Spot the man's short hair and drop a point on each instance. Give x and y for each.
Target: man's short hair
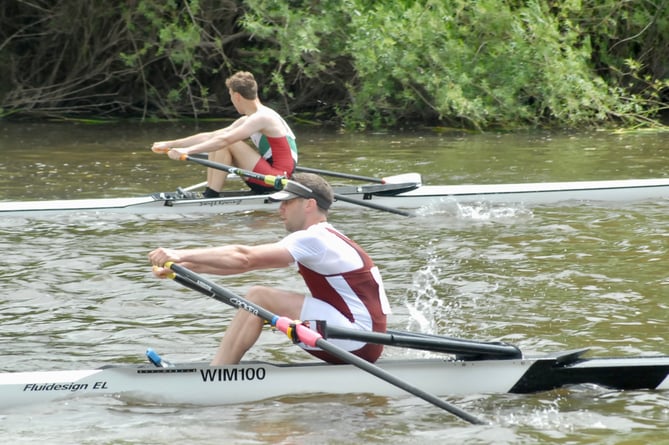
(244, 83)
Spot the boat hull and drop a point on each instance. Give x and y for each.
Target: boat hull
(542, 193)
(422, 196)
(200, 384)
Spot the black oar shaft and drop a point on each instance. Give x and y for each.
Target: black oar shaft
(338, 175)
(308, 336)
(196, 282)
(393, 380)
(317, 171)
(424, 342)
(278, 182)
(371, 205)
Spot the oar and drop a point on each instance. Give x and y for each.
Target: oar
(406, 177)
(424, 342)
(339, 175)
(299, 332)
(194, 186)
(278, 183)
(372, 205)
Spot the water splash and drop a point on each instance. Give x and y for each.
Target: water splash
(476, 211)
(423, 302)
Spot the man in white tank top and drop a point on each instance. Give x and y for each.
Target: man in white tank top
(275, 152)
(345, 287)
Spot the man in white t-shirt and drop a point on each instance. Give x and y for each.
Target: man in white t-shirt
(345, 286)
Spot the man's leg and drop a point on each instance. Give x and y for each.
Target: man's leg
(240, 154)
(216, 178)
(245, 328)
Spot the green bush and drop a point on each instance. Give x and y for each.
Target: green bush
(480, 64)
(363, 64)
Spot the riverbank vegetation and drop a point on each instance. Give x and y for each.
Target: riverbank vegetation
(355, 63)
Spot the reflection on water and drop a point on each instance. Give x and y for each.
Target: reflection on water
(77, 291)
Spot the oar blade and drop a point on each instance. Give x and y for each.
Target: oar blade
(413, 178)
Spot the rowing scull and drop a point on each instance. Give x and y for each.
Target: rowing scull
(388, 195)
(200, 384)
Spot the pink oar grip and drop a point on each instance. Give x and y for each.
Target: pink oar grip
(304, 334)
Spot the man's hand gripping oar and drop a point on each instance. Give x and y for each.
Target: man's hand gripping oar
(299, 332)
(278, 182)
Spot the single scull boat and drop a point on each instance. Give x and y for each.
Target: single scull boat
(200, 384)
(476, 367)
(405, 191)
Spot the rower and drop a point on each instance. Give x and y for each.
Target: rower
(345, 285)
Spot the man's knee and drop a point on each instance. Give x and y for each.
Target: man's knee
(258, 294)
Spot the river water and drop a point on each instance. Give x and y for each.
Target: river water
(77, 292)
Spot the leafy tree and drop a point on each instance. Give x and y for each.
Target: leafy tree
(365, 64)
(468, 63)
